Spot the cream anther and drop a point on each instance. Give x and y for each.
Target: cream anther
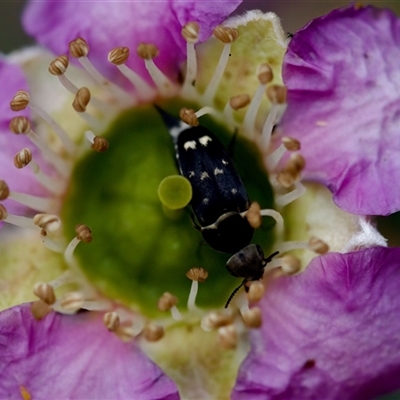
(45, 293)
(20, 125)
(72, 301)
(20, 100)
(100, 144)
(256, 291)
(118, 55)
(276, 94)
(215, 320)
(290, 264)
(226, 34)
(40, 309)
(197, 274)
(4, 190)
(167, 301)
(253, 215)
(188, 116)
(318, 245)
(291, 144)
(265, 74)
(111, 320)
(23, 158)
(48, 222)
(81, 100)
(83, 233)
(147, 51)
(153, 332)
(239, 101)
(78, 48)
(252, 317)
(59, 65)
(3, 213)
(190, 32)
(227, 337)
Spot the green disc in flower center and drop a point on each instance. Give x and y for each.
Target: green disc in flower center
(139, 251)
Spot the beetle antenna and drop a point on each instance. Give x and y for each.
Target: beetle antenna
(234, 292)
(269, 258)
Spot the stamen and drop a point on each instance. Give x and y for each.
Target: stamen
(153, 332)
(285, 199)
(288, 144)
(81, 100)
(24, 158)
(196, 275)
(265, 76)
(314, 244)
(99, 144)
(45, 293)
(72, 301)
(118, 56)
(290, 264)
(190, 32)
(228, 36)
(235, 103)
(256, 291)
(17, 220)
(207, 110)
(253, 215)
(168, 302)
(22, 99)
(227, 337)
(65, 277)
(37, 203)
(40, 309)
(84, 234)
(111, 321)
(50, 223)
(268, 213)
(148, 52)
(21, 125)
(188, 115)
(79, 49)
(215, 320)
(252, 317)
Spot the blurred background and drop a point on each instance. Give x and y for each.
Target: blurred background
(293, 13)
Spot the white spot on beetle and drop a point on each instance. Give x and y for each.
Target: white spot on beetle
(204, 175)
(225, 162)
(233, 191)
(218, 171)
(191, 174)
(204, 140)
(206, 200)
(190, 144)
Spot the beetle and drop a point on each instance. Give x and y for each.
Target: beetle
(248, 263)
(219, 199)
(219, 196)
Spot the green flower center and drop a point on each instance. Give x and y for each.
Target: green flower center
(139, 250)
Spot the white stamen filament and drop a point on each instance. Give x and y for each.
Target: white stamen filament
(163, 84)
(228, 116)
(269, 126)
(69, 145)
(206, 110)
(37, 203)
(175, 313)
(142, 87)
(285, 199)
(191, 304)
(191, 70)
(20, 221)
(65, 277)
(91, 120)
(96, 305)
(294, 245)
(53, 185)
(69, 251)
(53, 245)
(276, 156)
(116, 90)
(212, 87)
(62, 167)
(251, 114)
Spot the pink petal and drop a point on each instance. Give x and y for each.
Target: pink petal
(73, 357)
(343, 79)
(105, 25)
(329, 333)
